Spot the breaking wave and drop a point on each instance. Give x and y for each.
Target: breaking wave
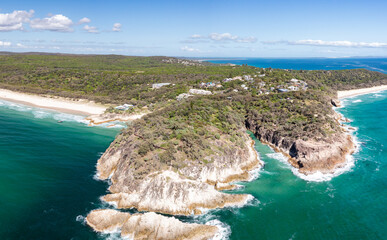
(41, 113)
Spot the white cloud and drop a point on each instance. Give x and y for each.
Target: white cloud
(14, 21)
(90, 29)
(310, 42)
(221, 37)
(117, 27)
(19, 45)
(196, 36)
(5, 44)
(57, 23)
(189, 49)
(339, 43)
(84, 20)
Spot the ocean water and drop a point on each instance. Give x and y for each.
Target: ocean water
(46, 173)
(349, 206)
(374, 64)
(47, 180)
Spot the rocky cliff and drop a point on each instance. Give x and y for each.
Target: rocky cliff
(312, 155)
(147, 226)
(152, 186)
(190, 189)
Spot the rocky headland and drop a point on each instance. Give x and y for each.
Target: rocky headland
(153, 187)
(324, 155)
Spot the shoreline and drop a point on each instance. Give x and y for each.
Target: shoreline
(102, 220)
(77, 107)
(360, 91)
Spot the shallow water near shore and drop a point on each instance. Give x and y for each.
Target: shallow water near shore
(47, 185)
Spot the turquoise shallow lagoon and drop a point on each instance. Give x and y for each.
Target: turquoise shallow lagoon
(47, 185)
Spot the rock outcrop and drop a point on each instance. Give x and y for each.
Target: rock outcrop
(185, 191)
(335, 102)
(112, 117)
(191, 189)
(147, 226)
(310, 156)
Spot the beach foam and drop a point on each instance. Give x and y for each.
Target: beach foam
(224, 231)
(41, 113)
(79, 106)
(81, 219)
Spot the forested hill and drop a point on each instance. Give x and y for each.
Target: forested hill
(118, 79)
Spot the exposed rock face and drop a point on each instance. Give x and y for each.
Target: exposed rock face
(335, 102)
(147, 226)
(186, 191)
(168, 192)
(112, 117)
(310, 156)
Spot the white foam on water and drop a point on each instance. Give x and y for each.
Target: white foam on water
(113, 235)
(41, 113)
(255, 173)
(357, 101)
(15, 106)
(224, 231)
(81, 219)
(280, 157)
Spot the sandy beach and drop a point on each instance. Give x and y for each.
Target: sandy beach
(80, 107)
(355, 92)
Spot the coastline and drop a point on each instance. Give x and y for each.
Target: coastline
(77, 107)
(360, 91)
(199, 197)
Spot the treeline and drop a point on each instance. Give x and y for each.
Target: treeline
(107, 79)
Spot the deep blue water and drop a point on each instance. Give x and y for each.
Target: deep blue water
(375, 64)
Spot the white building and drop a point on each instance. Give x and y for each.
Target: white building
(159, 85)
(183, 96)
(124, 107)
(200, 92)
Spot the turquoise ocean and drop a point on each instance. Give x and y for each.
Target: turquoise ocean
(47, 183)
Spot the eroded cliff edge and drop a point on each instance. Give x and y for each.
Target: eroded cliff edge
(175, 167)
(315, 144)
(147, 226)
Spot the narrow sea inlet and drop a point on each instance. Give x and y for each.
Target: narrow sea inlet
(47, 185)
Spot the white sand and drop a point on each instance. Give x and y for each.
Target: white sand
(81, 106)
(355, 92)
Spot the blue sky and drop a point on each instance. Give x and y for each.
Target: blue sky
(198, 28)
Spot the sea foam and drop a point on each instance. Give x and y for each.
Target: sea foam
(223, 232)
(41, 113)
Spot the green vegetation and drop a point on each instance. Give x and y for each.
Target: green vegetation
(199, 127)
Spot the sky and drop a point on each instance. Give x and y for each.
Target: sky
(211, 28)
